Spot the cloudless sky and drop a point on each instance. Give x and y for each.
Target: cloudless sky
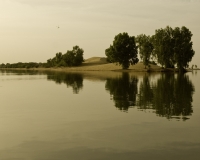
(29, 28)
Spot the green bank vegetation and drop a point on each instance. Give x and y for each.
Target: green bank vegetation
(168, 47)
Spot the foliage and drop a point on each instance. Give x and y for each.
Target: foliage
(183, 51)
(123, 51)
(173, 47)
(70, 58)
(145, 48)
(22, 65)
(163, 46)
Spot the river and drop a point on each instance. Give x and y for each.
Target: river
(99, 115)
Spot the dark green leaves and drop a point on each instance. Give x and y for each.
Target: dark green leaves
(173, 47)
(145, 48)
(123, 51)
(70, 58)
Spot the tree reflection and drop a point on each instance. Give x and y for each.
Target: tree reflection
(123, 91)
(73, 80)
(19, 72)
(170, 96)
(145, 95)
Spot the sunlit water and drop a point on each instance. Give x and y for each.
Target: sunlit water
(99, 115)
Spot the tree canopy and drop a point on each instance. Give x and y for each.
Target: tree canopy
(145, 48)
(183, 51)
(169, 47)
(72, 57)
(173, 47)
(123, 50)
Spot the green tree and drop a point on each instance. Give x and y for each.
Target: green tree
(74, 57)
(49, 63)
(78, 53)
(173, 47)
(163, 46)
(69, 58)
(183, 51)
(145, 48)
(58, 57)
(123, 51)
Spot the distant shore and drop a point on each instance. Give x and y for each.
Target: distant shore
(101, 64)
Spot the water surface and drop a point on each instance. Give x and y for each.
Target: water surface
(99, 115)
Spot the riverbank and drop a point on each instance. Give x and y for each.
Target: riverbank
(101, 64)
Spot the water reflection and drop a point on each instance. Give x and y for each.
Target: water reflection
(123, 90)
(170, 95)
(145, 96)
(173, 96)
(20, 72)
(73, 80)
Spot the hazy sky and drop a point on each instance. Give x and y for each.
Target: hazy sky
(29, 32)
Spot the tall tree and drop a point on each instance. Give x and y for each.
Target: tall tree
(123, 51)
(183, 51)
(145, 48)
(163, 46)
(58, 57)
(173, 47)
(78, 54)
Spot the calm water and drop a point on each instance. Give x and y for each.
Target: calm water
(99, 115)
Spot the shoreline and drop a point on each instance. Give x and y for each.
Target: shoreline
(101, 64)
(80, 69)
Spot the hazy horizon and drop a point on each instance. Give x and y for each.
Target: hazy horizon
(29, 28)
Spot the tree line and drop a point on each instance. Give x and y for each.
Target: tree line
(168, 47)
(71, 58)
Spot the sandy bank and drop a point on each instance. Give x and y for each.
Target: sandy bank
(100, 64)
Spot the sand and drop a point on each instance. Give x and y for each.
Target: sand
(101, 64)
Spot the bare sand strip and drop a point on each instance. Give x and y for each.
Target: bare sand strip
(101, 64)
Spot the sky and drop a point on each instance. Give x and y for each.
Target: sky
(29, 28)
